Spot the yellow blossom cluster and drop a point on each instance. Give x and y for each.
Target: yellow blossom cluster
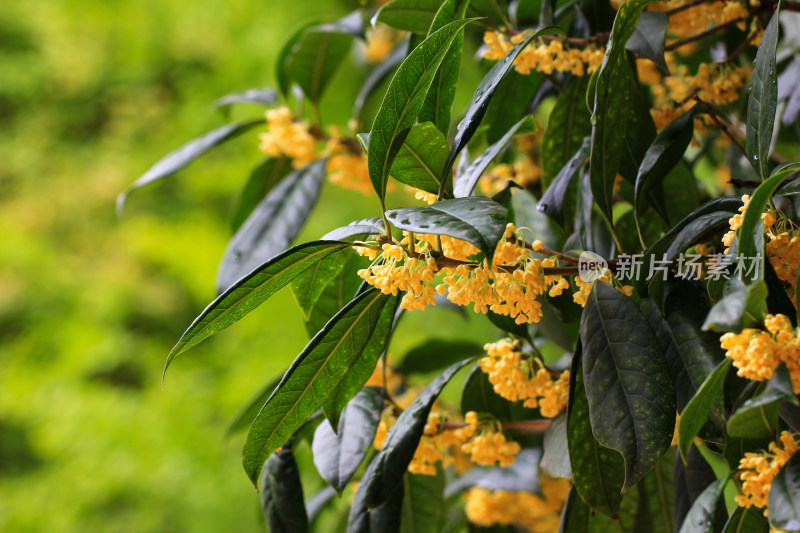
(516, 376)
(439, 444)
(735, 222)
(585, 287)
(509, 286)
(757, 470)
(545, 57)
(783, 251)
(698, 18)
(288, 137)
(757, 353)
(380, 42)
(491, 447)
(533, 513)
(524, 171)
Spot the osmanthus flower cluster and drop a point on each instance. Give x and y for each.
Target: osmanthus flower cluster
(579, 150)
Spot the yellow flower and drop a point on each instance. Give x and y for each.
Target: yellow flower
(287, 137)
(757, 470)
(545, 57)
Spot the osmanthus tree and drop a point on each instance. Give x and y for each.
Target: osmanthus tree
(579, 203)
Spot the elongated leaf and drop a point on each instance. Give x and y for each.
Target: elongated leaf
(483, 96)
(478, 220)
(758, 416)
(478, 395)
(510, 103)
(264, 176)
(783, 504)
(282, 495)
(746, 234)
(613, 100)
(557, 202)
(647, 40)
(763, 99)
(387, 469)
(742, 307)
(281, 73)
(702, 516)
(309, 285)
(423, 502)
(360, 369)
(440, 97)
(318, 501)
(577, 517)
(403, 101)
(567, 127)
(378, 74)
(244, 417)
(409, 15)
(384, 518)
(699, 407)
(522, 476)
(747, 520)
(654, 505)
(437, 354)
(597, 472)
(273, 224)
(265, 96)
(696, 231)
(357, 228)
(337, 455)
(420, 161)
(628, 384)
(689, 481)
(555, 460)
(252, 290)
(466, 182)
(177, 159)
(312, 377)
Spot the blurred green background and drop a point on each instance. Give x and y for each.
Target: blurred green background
(91, 93)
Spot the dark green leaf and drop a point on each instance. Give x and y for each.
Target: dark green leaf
(336, 294)
(653, 498)
(478, 395)
(282, 493)
(308, 286)
(567, 127)
(387, 469)
(265, 96)
(628, 384)
(778, 301)
(743, 307)
(758, 416)
(751, 221)
(177, 159)
(273, 224)
(577, 517)
(478, 220)
(699, 407)
(763, 99)
(420, 161)
(281, 74)
(647, 40)
(783, 504)
(337, 455)
(384, 518)
(318, 501)
(403, 101)
(747, 520)
(378, 74)
(512, 98)
(466, 181)
(423, 502)
(439, 100)
(436, 354)
(555, 460)
(689, 481)
(696, 231)
(483, 96)
(312, 377)
(409, 15)
(613, 102)
(557, 202)
(244, 417)
(598, 472)
(250, 291)
(702, 516)
(264, 176)
(791, 189)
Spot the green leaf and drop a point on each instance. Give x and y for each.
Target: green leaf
(273, 224)
(478, 220)
(309, 285)
(647, 40)
(528, 215)
(743, 307)
(360, 369)
(613, 100)
(336, 294)
(763, 99)
(436, 354)
(409, 15)
(567, 127)
(282, 495)
(577, 517)
(689, 481)
(746, 235)
(466, 181)
(696, 231)
(403, 101)
(247, 412)
(442, 93)
(264, 176)
(385, 472)
(423, 502)
(702, 515)
(483, 96)
(697, 410)
(597, 472)
(266, 96)
(312, 377)
(252, 290)
(281, 73)
(478, 395)
(783, 504)
(357, 228)
(338, 454)
(316, 503)
(558, 201)
(555, 460)
(510, 103)
(758, 416)
(384, 518)
(654, 498)
(177, 159)
(747, 520)
(421, 158)
(628, 384)
(378, 74)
